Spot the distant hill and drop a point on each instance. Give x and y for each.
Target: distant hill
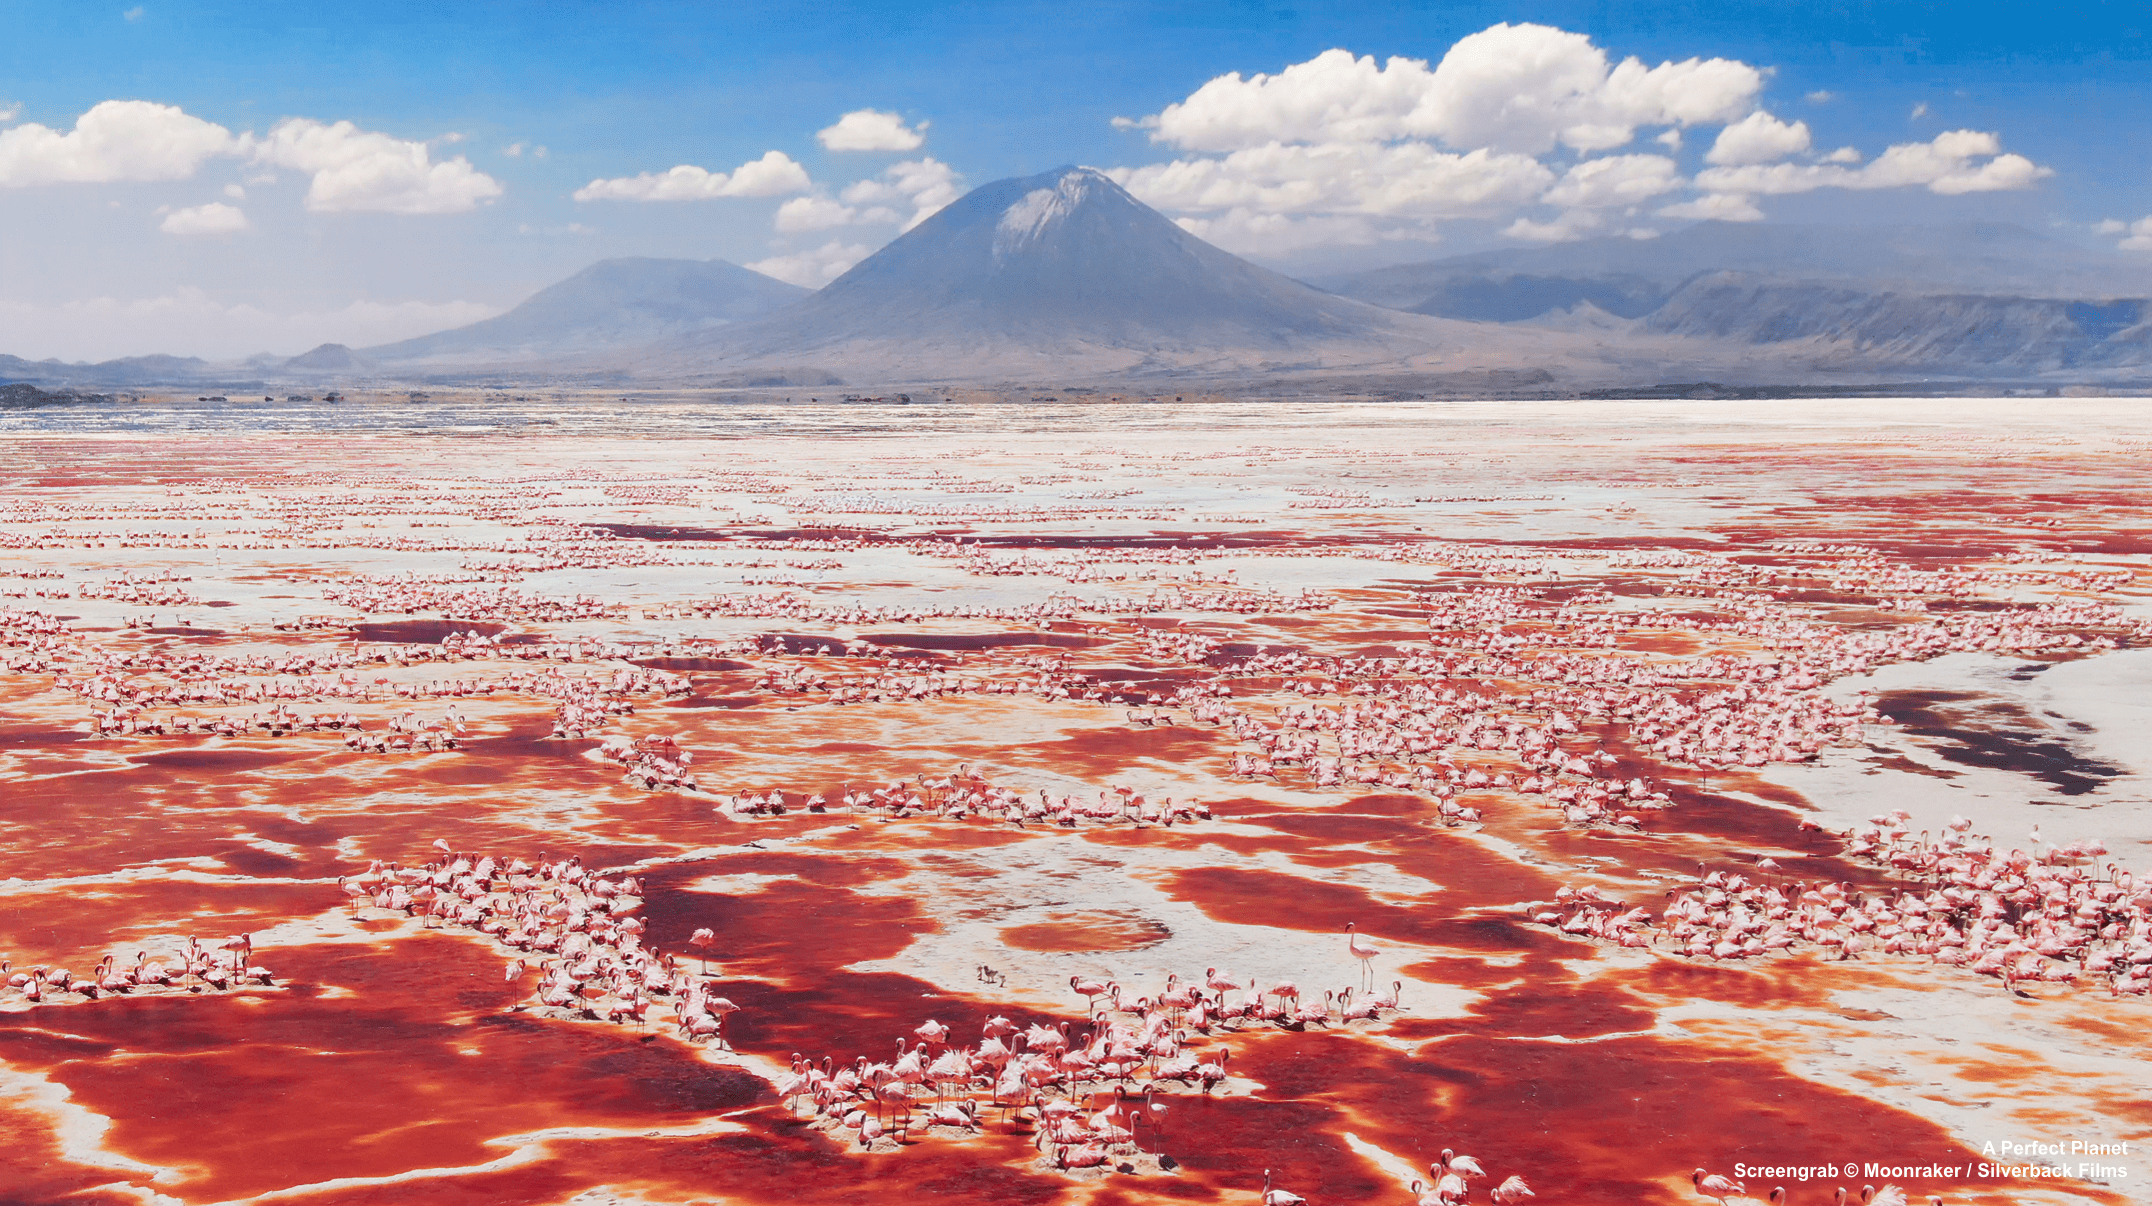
(1989, 333)
(128, 370)
(1060, 274)
(1632, 277)
(611, 304)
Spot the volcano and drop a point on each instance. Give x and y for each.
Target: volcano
(1062, 273)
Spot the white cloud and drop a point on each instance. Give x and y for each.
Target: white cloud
(1573, 224)
(10, 112)
(116, 140)
(1617, 180)
(1408, 180)
(1721, 207)
(363, 171)
(1820, 97)
(135, 14)
(189, 322)
(922, 186)
(2140, 233)
(815, 212)
(773, 175)
(1758, 138)
(235, 192)
(1945, 164)
(1920, 110)
(1363, 148)
(872, 130)
(513, 150)
(814, 269)
(1241, 229)
(2109, 226)
(1520, 88)
(213, 218)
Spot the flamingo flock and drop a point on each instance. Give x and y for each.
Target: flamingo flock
(594, 963)
(229, 965)
(2052, 916)
(962, 795)
(1081, 1092)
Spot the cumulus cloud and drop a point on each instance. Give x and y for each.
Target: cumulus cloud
(814, 269)
(773, 175)
(116, 140)
(1617, 180)
(1243, 229)
(213, 218)
(2139, 233)
(1715, 207)
(1521, 88)
(1758, 138)
(358, 170)
(191, 322)
(1518, 123)
(1945, 164)
(815, 212)
(908, 193)
(1573, 224)
(872, 130)
(353, 169)
(1400, 180)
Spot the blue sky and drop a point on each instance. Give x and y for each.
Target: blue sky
(233, 212)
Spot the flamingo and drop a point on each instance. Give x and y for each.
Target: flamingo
(1461, 1165)
(701, 940)
(1091, 990)
(1362, 950)
(1712, 1185)
(1278, 1197)
(1515, 1190)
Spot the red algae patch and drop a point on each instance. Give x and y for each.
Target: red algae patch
(1081, 931)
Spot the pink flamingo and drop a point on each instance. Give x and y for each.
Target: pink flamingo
(1712, 1185)
(701, 940)
(1515, 1190)
(1362, 950)
(1279, 1197)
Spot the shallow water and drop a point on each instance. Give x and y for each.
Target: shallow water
(392, 1062)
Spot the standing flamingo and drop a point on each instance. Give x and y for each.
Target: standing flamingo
(1362, 950)
(701, 940)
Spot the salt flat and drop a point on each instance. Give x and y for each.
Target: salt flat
(1117, 693)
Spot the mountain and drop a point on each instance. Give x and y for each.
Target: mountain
(329, 357)
(1630, 278)
(1992, 333)
(611, 304)
(128, 370)
(1062, 275)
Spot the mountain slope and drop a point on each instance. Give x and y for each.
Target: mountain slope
(612, 303)
(1062, 273)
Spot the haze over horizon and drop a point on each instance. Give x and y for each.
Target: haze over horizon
(202, 179)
